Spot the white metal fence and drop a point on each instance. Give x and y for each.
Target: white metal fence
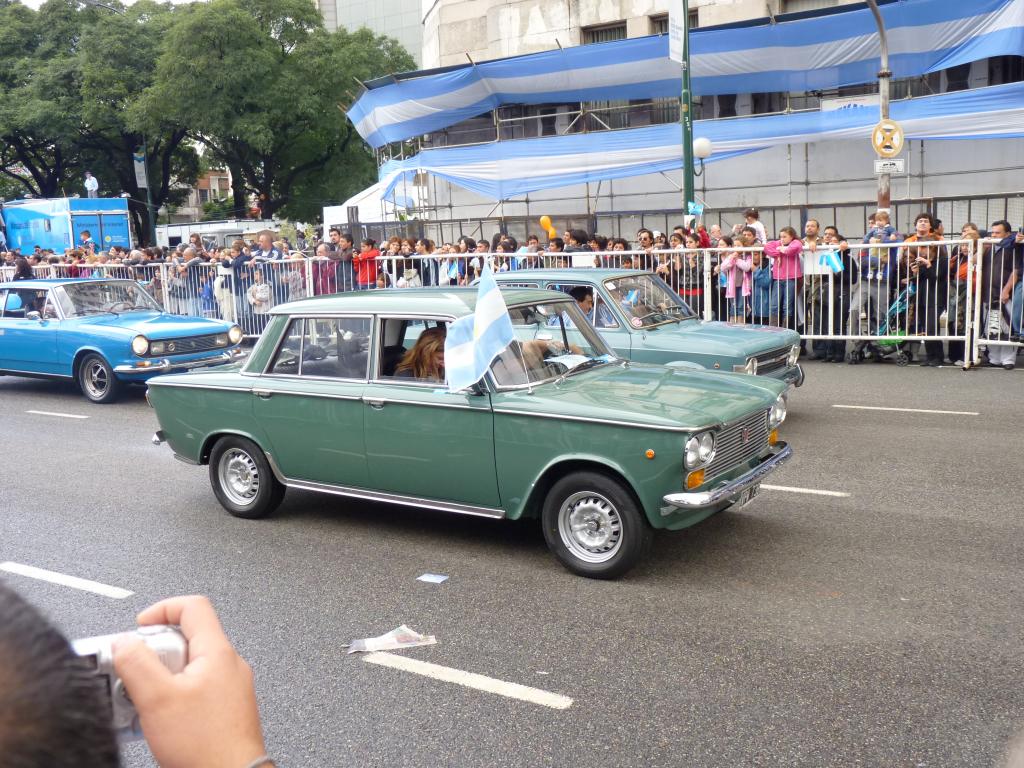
(870, 301)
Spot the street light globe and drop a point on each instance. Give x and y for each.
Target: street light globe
(702, 148)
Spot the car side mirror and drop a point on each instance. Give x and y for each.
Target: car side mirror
(33, 316)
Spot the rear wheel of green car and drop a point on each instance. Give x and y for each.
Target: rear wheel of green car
(242, 479)
(594, 525)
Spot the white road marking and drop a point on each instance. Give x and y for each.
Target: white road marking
(55, 413)
(470, 680)
(907, 410)
(64, 580)
(811, 491)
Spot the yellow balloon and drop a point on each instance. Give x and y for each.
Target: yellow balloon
(552, 233)
(545, 222)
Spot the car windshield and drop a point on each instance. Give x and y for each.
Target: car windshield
(552, 340)
(647, 300)
(113, 296)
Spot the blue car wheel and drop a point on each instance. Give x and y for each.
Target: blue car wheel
(96, 379)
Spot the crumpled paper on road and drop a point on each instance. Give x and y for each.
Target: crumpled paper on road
(402, 637)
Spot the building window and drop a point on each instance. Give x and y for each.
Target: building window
(204, 195)
(659, 24)
(727, 105)
(604, 33)
(1005, 69)
(957, 78)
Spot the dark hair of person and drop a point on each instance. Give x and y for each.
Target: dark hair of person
(370, 242)
(925, 215)
(346, 236)
(470, 243)
(22, 269)
(621, 241)
(52, 708)
(428, 245)
(725, 240)
(580, 292)
(601, 241)
(579, 236)
(1002, 223)
(557, 242)
(751, 230)
(332, 230)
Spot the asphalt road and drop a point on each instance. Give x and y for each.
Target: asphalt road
(881, 628)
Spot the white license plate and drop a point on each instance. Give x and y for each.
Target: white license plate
(747, 495)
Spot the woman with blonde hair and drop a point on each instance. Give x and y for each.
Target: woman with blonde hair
(425, 361)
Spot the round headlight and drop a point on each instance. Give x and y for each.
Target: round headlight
(777, 414)
(751, 366)
(699, 450)
(157, 348)
(235, 334)
(140, 345)
(794, 355)
(707, 448)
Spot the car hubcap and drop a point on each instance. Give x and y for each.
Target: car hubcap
(590, 527)
(96, 380)
(239, 476)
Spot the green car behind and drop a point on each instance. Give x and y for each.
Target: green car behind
(644, 320)
(604, 451)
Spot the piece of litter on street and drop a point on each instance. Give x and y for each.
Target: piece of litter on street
(432, 578)
(402, 637)
(542, 673)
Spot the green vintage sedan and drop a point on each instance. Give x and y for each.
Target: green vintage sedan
(644, 320)
(343, 394)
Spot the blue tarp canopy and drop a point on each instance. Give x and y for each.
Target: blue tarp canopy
(802, 55)
(502, 170)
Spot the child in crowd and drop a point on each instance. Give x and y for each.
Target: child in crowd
(787, 270)
(735, 267)
(764, 299)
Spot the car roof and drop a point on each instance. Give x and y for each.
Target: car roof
(50, 282)
(589, 274)
(428, 301)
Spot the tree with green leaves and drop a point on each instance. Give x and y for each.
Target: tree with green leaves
(272, 82)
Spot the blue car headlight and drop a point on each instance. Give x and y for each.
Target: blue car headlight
(140, 345)
(235, 334)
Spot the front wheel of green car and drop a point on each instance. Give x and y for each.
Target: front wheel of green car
(242, 479)
(594, 525)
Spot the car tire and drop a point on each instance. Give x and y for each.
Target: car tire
(242, 479)
(97, 381)
(594, 525)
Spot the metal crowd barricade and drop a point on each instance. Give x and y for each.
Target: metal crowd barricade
(871, 302)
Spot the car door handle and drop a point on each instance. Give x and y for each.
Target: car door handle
(263, 394)
(374, 402)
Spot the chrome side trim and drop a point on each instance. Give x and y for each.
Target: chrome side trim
(452, 406)
(697, 500)
(34, 374)
(322, 395)
(614, 422)
(388, 498)
(197, 386)
(183, 460)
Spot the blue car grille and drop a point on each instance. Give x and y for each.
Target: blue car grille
(738, 442)
(772, 360)
(190, 344)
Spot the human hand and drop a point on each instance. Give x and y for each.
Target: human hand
(207, 715)
(1005, 295)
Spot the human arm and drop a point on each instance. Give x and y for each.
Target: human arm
(205, 716)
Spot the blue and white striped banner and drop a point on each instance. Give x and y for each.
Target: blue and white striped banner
(803, 55)
(475, 340)
(505, 169)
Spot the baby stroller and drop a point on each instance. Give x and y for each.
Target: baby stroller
(897, 347)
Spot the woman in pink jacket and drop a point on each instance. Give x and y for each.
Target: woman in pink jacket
(787, 269)
(736, 268)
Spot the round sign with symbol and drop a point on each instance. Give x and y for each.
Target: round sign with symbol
(887, 138)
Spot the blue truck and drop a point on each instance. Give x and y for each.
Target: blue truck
(57, 223)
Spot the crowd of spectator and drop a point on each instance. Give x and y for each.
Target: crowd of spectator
(817, 282)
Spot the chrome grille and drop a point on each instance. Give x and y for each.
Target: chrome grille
(189, 344)
(772, 360)
(731, 448)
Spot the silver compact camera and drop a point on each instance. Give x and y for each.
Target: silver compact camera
(168, 643)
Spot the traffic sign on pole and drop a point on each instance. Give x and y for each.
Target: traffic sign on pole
(887, 138)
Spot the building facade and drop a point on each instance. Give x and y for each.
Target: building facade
(810, 177)
(400, 19)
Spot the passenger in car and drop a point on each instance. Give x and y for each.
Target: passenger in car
(425, 361)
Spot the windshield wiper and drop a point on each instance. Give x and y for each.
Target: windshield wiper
(97, 311)
(586, 365)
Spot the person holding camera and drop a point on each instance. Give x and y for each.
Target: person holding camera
(55, 711)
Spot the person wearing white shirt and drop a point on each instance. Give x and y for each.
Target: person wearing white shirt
(92, 186)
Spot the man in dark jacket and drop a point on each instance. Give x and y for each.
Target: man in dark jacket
(1001, 268)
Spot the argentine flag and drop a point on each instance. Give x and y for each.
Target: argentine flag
(474, 341)
(832, 260)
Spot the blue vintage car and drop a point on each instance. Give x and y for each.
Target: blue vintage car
(103, 334)
(645, 321)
